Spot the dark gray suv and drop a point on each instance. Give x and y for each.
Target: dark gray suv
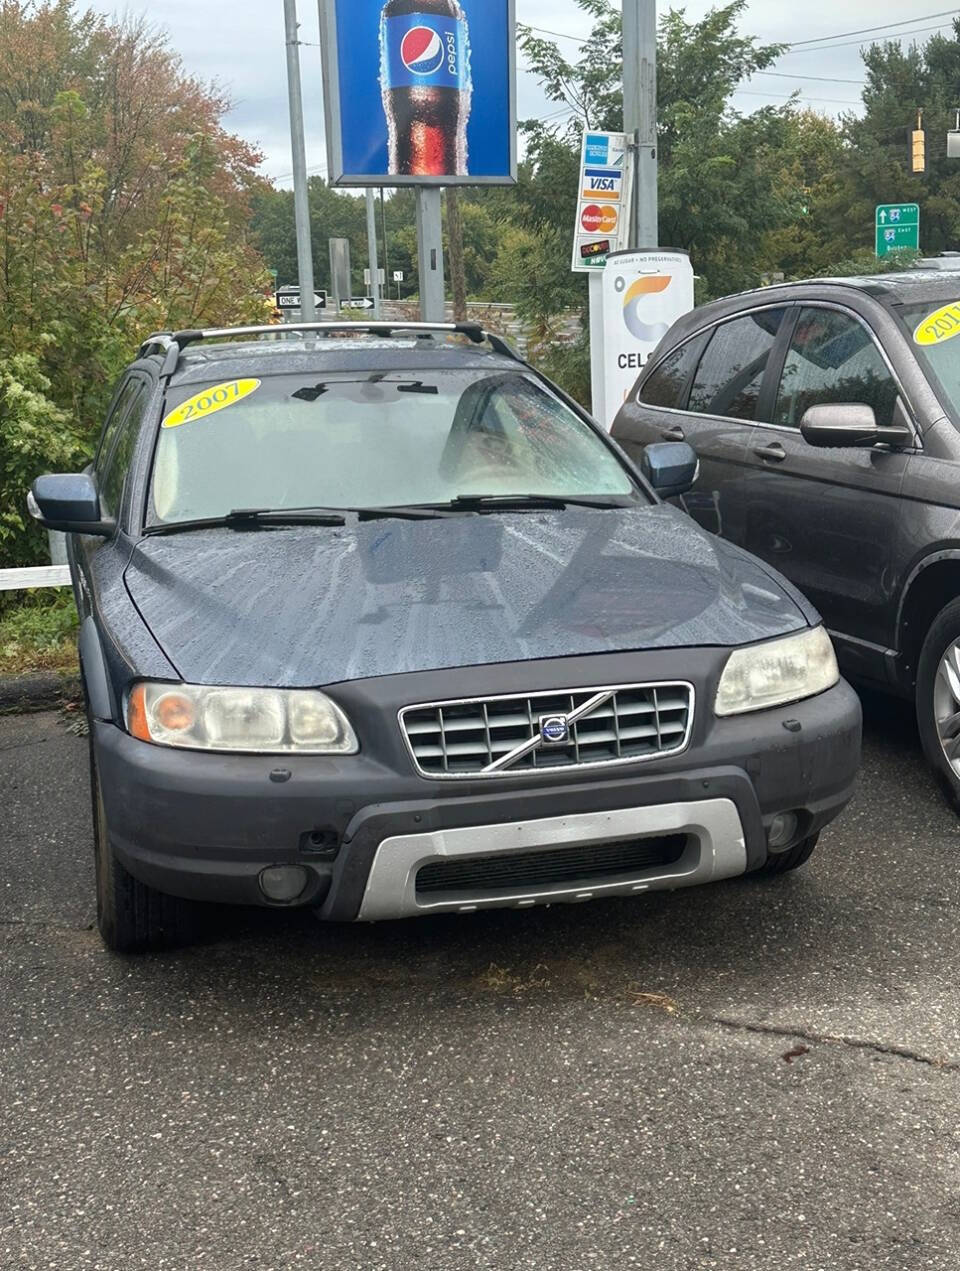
(826, 416)
(376, 621)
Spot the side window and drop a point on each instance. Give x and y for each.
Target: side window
(118, 408)
(111, 483)
(730, 375)
(833, 359)
(667, 385)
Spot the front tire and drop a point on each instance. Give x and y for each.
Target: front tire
(938, 700)
(131, 917)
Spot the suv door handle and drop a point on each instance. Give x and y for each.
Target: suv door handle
(675, 433)
(775, 453)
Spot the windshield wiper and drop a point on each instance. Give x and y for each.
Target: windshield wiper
(332, 516)
(260, 518)
(493, 502)
(253, 518)
(405, 512)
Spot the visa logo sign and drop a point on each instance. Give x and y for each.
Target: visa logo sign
(602, 181)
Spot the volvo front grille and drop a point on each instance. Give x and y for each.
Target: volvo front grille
(507, 736)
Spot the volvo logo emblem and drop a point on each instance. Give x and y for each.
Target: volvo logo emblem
(554, 730)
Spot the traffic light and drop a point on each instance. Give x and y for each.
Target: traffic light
(918, 146)
(918, 150)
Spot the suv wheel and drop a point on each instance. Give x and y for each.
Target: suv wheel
(938, 700)
(132, 917)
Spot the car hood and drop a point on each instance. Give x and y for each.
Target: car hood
(311, 605)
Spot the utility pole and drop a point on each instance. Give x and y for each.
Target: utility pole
(372, 251)
(430, 253)
(308, 311)
(640, 115)
(458, 271)
(386, 248)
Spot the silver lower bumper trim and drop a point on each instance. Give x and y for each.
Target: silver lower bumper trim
(715, 850)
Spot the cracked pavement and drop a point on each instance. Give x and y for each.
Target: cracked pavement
(751, 1075)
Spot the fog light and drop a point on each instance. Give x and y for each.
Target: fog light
(283, 883)
(783, 829)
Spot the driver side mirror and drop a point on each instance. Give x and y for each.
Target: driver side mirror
(846, 424)
(671, 467)
(69, 502)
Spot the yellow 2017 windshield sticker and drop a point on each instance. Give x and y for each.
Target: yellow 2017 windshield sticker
(942, 325)
(211, 400)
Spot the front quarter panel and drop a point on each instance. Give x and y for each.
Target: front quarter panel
(126, 646)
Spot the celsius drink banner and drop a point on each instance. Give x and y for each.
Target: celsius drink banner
(644, 293)
(419, 91)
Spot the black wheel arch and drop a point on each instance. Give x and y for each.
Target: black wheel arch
(932, 584)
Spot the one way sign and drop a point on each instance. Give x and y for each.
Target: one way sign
(289, 298)
(357, 302)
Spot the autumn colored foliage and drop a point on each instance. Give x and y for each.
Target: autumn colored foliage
(124, 208)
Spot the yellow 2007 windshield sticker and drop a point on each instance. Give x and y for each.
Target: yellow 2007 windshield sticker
(942, 325)
(211, 400)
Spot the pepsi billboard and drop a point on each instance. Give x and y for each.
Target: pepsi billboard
(420, 92)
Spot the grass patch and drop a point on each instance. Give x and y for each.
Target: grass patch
(38, 632)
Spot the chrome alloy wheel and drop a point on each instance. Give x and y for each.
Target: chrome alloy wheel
(946, 705)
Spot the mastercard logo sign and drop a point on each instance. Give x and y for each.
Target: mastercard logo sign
(597, 219)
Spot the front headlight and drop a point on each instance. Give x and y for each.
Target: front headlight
(256, 720)
(777, 672)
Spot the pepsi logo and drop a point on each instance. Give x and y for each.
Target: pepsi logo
(422, 51)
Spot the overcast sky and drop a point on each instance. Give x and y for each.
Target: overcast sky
(240, 44)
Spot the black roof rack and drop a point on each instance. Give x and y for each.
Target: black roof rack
(173, 343)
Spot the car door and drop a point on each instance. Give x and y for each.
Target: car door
(707, 393)
(829, 519)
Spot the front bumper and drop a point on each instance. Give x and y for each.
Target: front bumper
(204, 826)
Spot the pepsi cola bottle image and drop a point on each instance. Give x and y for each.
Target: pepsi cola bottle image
(426, 86)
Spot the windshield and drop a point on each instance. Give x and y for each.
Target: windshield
(378, 439)
(933, 329)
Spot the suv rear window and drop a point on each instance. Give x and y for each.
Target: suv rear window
(372, 439)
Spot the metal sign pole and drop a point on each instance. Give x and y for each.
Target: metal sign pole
(430, 253)
(372, 250)
(640, 115)
(299, 152)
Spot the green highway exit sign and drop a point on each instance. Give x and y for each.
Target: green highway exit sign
(898, 227)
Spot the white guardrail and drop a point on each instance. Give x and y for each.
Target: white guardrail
(42, 576)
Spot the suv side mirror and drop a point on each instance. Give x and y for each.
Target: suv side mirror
(843, 424)
(671, 467)
(69, 502)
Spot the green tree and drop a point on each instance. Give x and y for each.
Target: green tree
(718, 190)
(124, 207)
(875, 168)
(34, 435)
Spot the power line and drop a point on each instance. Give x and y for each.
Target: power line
(804, 45)
(840, 35)
(560, 35)
(831, 101)
(822, 79)
(895, 35)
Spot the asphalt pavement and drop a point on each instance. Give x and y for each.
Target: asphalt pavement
(750, 1075)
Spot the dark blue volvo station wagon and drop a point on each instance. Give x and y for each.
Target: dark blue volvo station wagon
(375, 620)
